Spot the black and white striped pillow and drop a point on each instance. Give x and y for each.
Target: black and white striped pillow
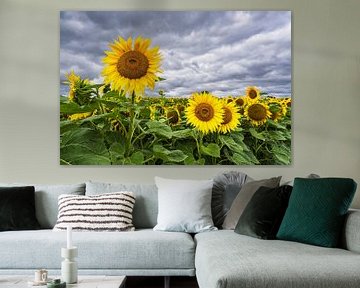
(105, 212)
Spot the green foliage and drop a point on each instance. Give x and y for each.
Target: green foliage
(121, 131)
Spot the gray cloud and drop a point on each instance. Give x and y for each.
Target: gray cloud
(222, 52)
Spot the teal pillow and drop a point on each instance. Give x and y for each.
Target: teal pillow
(316, 211)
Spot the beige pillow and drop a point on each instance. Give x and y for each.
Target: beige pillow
(243, 198)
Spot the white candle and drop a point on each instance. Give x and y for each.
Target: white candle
(69, 239)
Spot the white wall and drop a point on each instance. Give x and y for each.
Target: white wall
(326, 90)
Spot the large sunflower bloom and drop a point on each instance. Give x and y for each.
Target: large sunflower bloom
(231, 117)
(257, 113)
(205, 112)
(252, 94)
(131, 65)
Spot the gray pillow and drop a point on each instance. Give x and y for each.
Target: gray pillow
(226, 187)
(184, 205)
(146, 206)
(243, 198)
(46, 200)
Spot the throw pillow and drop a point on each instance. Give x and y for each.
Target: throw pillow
(184, 205)
(226, 186)
(17, 208)
(317, 209)
(243, 198)
(263, 215)
(146, 205)
(106, 212)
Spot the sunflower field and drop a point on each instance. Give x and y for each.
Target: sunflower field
(116, 123)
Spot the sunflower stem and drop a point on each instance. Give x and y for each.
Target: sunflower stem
(131, 129)
(199, 144)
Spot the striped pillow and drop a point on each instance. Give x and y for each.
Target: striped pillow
(105, 212)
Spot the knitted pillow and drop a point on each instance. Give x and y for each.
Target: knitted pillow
(105, 212)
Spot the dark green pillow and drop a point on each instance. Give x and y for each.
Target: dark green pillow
(316, 211)
(263, 214)
(17, 208)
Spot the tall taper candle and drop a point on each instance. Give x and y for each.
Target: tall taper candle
(69, 239)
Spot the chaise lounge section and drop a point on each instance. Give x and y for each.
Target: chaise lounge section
(225, 259)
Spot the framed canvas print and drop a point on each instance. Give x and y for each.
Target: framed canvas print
(175, 88)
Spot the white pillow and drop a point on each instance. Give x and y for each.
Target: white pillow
(184, 205)
(105, 212)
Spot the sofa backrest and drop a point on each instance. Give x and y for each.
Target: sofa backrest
(146, 203)
(46, 200)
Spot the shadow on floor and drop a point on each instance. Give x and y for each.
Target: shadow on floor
(158, 282)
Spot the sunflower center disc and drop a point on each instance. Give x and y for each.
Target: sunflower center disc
(227, 117)
(239, 102)
(252, 94)
(204, 112)
(275, 115)
(173, 117)
(257, 112)
(133, 65)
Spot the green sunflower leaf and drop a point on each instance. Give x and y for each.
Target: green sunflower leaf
(160, 129)
(257, 135)
(83, 146)
(231, 144)
(182, 134)
(72, 108)
(244, 158)
(137, 158)
(275, 135)
(117, 151)
(281, 154)
(212, 150)
(168, 155)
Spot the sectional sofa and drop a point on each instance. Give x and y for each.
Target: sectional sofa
(219, 259)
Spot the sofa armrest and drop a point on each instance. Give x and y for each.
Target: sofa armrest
(351, 234)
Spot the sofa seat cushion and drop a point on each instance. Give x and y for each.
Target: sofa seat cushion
(226, 259)
(142, 249)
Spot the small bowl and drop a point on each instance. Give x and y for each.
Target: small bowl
(56, 283)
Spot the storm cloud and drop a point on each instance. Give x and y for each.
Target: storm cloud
(221, 52)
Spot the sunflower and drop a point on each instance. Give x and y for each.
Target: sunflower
(173, 116)
(231, 117)
(153, 111)
(131, 65)
(277, 108)
(204, 111)
(257, 113)
(180, 108)
(252, 94)
(287, 101)
(73, 81)
(79, 116)
(229, 99)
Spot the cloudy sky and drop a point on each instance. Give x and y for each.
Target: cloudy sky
(221, 52)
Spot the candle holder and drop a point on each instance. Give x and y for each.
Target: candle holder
(68, 265)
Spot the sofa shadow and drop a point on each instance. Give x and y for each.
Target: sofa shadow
(158, 282)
